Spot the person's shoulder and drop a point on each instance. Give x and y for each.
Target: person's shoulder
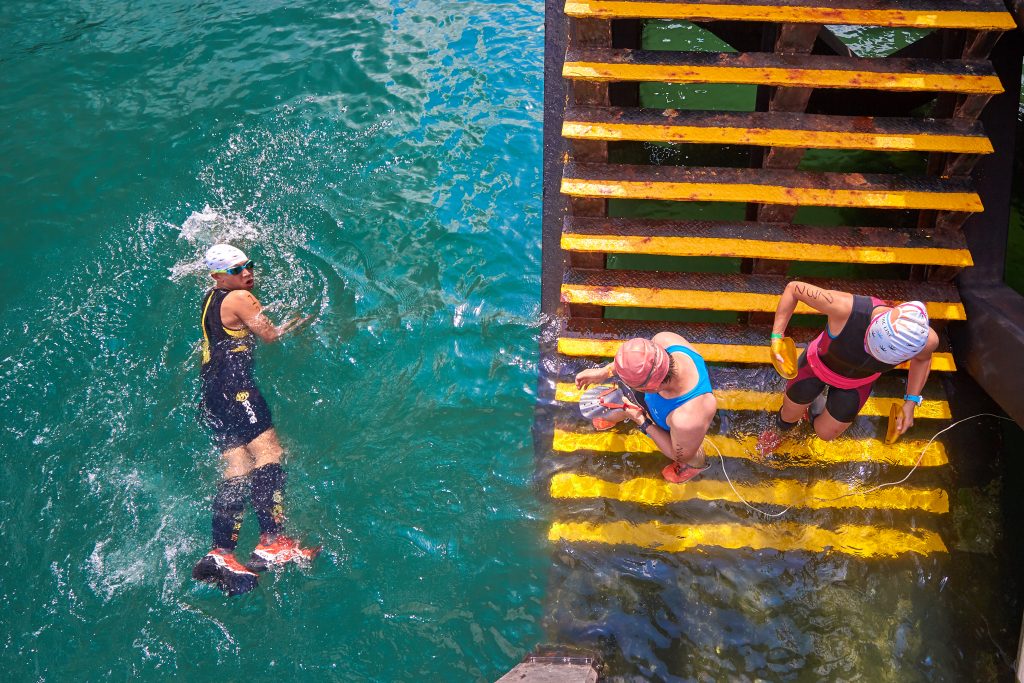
(237, 298)
(667, 339)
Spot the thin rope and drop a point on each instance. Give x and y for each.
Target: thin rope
(863, 492)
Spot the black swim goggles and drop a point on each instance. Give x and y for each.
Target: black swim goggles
(235, 270)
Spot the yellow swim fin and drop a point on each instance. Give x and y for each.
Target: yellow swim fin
(786, 348)
(890, 430)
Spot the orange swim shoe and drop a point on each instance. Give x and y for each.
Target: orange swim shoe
(280, 551)
(220, 567)
(768, 442)
(678, 472)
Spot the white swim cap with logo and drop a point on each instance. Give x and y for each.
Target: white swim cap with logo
(223, 256)
(899, 341)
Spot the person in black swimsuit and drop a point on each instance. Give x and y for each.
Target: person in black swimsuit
(234, 409)
(864, 337)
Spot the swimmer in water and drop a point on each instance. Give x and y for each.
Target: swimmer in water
(863, 338)
(232, 320)
(677, 395)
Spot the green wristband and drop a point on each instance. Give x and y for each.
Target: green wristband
(776, 335)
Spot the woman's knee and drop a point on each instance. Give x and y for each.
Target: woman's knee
(828, 429)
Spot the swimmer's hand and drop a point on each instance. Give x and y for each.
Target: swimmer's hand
(783, 352)
(906, 419)
(295, 322)
(585, 378)
(634, 413)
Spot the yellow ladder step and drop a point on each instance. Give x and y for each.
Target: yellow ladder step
(751, 293)
(806, 453)
(986, 15)
(716, 342)
(744, 399)
(787, 71)
(716, 353)
(748, 239)
(768, 186)
(815, 495)
(775, 129)
(869, 542)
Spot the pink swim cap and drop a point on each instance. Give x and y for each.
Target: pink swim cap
(642, 364)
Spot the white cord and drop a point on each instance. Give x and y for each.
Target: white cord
(852, 493)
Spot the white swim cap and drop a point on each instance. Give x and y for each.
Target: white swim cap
(222, 256)
(896, 342)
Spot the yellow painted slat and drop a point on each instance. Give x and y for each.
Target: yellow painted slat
(714, 353)
(772, 194)
(743, 399)
(816, 495)
(769, 137)
(748, 248)
(806, 452)
(849, 539)
(783, 77)
(825, 14)
(642, 297)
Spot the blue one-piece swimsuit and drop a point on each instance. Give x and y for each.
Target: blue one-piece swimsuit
(660, 407)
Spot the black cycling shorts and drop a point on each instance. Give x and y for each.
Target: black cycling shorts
(236, 418)
(842, 404)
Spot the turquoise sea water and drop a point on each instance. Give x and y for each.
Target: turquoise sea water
(381, 163)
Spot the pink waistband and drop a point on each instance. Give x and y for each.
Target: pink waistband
(829, 376)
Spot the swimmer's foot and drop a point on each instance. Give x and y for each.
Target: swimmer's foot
(678, 472)
(220, 567)
(768, 442)
(280, 551)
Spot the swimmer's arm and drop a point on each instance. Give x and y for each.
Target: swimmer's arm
(249, 311)
(836, 305)
(661, 438)
(917, 376)
(584, 378)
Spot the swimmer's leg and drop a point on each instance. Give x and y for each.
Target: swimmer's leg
(787, 418)
(268, 481)
(228, 505)
(220, 566)
(790, 413)
(828, 427)
(841, 410)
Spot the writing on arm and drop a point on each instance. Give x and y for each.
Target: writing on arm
(805, 291)
(836, 305)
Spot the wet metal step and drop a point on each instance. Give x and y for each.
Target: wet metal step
(751, 293)
(776, 129)
(749, 399)
(814, 495)
(768, 186)
(805, 453)
(787, 71)
(778, 241)
(717, 343)
(869, 542)
(979, 15)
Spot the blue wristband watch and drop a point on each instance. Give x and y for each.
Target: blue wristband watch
(912, 397)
